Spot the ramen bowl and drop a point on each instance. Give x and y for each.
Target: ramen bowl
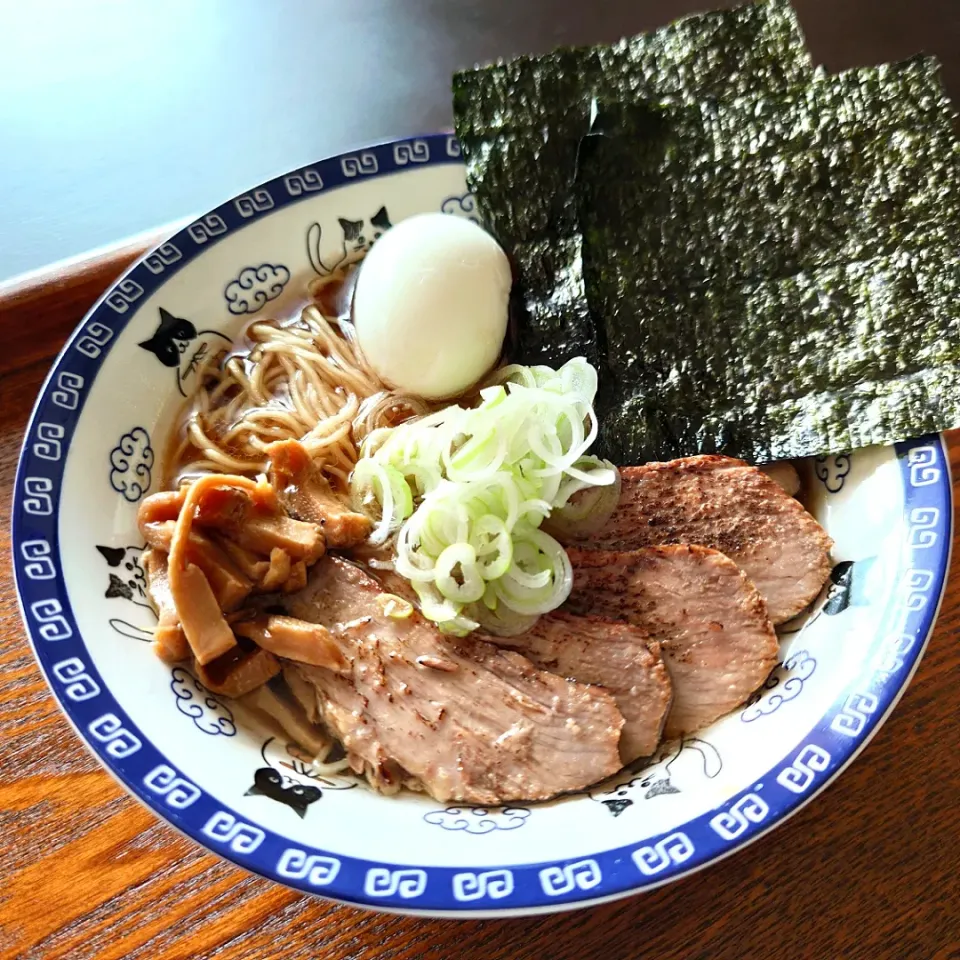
(94, 449)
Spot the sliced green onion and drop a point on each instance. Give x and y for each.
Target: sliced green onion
(459, 558)
(463, 494)
(493, 545)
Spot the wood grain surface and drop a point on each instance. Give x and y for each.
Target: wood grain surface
(868, 870)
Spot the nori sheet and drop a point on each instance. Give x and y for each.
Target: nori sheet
(733, 239)
(858, 352)
(761, 259)
(714, 196)
(520, 124)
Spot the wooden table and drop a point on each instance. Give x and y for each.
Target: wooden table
(868, 870)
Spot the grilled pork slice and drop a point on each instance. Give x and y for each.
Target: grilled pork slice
(717, 641)
(307, 495)
(618, 656)
(613, 654)
(734, 508)
(464, 719)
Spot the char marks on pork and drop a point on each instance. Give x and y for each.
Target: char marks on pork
(712, 625)
(732, 507)
(621, 657)
(464, 719)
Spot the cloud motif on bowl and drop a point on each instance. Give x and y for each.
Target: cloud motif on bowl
(463, 206)
(131, 463)
(255, 286)
(833, 471)
(195, 701)
(478, 819)
(787, 679)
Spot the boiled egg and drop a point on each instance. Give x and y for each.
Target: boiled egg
(430, 305)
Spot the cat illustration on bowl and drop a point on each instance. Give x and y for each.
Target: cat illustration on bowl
(357, 237)
(177, 343)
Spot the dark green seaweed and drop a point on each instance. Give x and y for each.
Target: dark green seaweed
(520, 124)
(761, 259)
(714, 196)
(756, 258)
(859, 351)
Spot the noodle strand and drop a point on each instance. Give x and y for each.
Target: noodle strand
(303, 380)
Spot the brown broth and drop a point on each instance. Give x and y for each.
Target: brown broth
(335, 299)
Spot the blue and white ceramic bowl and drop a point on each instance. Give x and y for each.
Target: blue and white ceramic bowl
(92, 452)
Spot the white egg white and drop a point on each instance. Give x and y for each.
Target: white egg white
(430, 307)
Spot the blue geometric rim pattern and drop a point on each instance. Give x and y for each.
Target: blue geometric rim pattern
(156, 781)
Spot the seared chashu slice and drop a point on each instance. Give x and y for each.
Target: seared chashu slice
(717, 641)
(614, 654)
(466, 720)
(732, 507)
(620, 657)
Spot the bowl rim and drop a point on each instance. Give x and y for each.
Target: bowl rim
(463, 891)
